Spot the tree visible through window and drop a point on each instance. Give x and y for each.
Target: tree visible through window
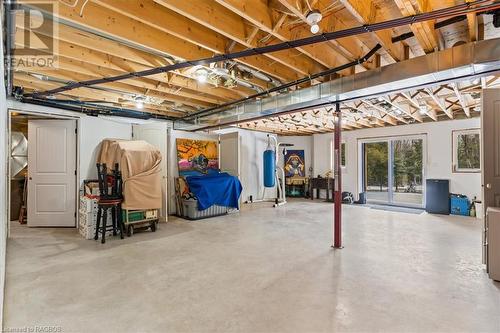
(342, 154)
(467, 155)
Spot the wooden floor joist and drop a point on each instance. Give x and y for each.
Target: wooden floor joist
(106, 38)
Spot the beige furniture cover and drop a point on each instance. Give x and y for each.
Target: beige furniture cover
(140, 164)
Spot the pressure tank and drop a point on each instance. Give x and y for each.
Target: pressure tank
(269, 167)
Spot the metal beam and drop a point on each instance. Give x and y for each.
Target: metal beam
(337, 205)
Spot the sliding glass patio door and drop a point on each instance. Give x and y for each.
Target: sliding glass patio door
(377, 171)
(393, 170)
(407, 166)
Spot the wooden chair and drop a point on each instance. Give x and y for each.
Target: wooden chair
(109, 199)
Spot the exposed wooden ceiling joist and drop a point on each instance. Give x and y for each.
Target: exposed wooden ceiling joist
(141, 35)
(168, 21)
(365, 13)
(423, 31)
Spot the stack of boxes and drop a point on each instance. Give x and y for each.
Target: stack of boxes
(88, 217)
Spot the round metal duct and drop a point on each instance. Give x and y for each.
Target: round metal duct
(18, 153)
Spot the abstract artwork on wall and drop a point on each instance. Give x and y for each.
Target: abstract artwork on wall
(294, 163)
(197, 157)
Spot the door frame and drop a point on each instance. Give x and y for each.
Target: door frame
(47, 115)
(389, 140)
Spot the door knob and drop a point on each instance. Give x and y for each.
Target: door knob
(488, 186)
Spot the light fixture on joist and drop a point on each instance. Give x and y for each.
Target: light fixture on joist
(313, 18)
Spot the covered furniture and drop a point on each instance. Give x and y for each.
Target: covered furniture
(217, 189)
(207, 196)
(140, 165)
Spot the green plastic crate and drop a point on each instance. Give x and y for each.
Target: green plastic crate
(132, 216)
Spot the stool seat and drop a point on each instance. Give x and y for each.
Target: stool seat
(109, 202)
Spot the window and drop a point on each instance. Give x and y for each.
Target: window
(466, 151)
(342, 155)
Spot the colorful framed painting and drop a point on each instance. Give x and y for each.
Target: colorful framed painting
(197, 157)
(294, 163)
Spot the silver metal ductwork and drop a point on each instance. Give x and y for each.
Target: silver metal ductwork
(455, 64)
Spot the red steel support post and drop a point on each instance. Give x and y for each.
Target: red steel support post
(337, 208)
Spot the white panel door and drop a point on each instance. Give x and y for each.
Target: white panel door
(490, 154)
(229, 153)
(51, 173)
(490, 124)
(156, 134)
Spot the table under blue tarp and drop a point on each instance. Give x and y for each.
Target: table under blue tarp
(215, 189)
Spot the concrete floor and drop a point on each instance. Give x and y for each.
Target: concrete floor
(262, 270)
(414, 199)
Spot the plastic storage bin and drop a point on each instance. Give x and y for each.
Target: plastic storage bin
(191, 212)
(459, 205)
(438, 196)
(133, 215)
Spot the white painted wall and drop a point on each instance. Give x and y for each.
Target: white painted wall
(439, 153)
(252, 147)
(92, 131)
(300, 143)
(322, 152)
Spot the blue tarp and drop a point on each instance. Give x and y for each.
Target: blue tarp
(217, 189)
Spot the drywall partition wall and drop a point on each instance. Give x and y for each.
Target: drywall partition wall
(322, 154)
(252, 147)
(304, 143)
(439, 153)
(92, 131)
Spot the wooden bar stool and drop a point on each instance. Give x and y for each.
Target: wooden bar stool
(109, 199)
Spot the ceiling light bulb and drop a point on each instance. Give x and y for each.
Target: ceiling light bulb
(201, 75)
(139, 104)
(314, 28)
(313, 18)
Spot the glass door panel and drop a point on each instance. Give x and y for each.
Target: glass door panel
(407, 163)
(376, 163)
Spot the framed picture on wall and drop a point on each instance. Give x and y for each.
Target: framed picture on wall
(294, 163)
(197, 157)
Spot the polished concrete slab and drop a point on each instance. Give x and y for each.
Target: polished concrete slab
(261, 270)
